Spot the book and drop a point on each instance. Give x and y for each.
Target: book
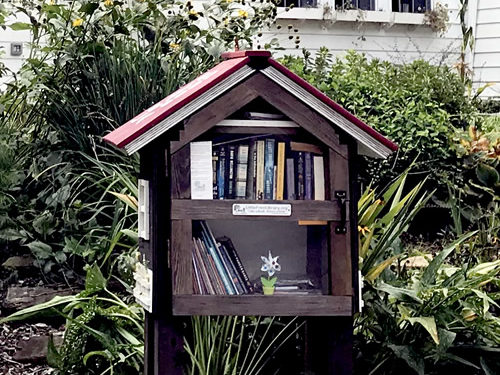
(238, 285)
(251, 170)
(215, 166)
(269, 168)
(241, 172)
(290, 179)
(231, 172)
(233, 254)
(319, 178)
(305, 147)
(210, 285)
(210, 244)
(213, 275)
(259, 179)
(308, 176)
(300, 175)
(201, 170)
(221, 172)
(280, 171)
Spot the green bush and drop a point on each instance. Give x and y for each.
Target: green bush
(416, 105)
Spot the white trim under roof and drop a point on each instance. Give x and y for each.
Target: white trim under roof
(259, 123)
(187, 110)
(367, 145)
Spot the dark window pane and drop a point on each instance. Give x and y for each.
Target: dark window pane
(365, 4)
(419, 6)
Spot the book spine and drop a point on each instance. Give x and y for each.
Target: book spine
(201, 175)
(215, 169)
(233, 254)
(290, 179)
(213, 275)
(300, 175)
(197, 288)
(252, 159)
(241, 172)
(203, 266)
(221, 172)
(231, 172)
(308, 171)
(219, 262)
(280, 171)
(269, 169)
(231, 270)
(274, 182)
(319, 178)
(259, 179)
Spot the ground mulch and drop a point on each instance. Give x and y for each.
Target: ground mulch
(10, 337)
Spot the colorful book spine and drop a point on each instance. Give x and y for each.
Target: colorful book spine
(259, 179)
(280, 171)
(233, 254)
(251, 170)
(213, 275)
(300, 175)
(308, 173)
(213, 251)
(215, 169)
(231, 270)
(290, 179)
(269, 168)
(241, 172)
(319, 178)
(203, 268)
(221, 173)
(231, 173)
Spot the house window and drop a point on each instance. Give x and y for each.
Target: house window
(299, 3)
(355, 4)
(411, 6)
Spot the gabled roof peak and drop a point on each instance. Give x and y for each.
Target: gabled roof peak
(245, 53)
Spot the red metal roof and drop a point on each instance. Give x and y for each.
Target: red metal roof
(234, 61)
(153, 115)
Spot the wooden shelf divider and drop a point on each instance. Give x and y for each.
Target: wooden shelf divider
(197, 209)
(255, 304)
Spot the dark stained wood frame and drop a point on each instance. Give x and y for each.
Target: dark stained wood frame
(165, 163)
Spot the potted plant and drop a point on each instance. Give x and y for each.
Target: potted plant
(270, 266)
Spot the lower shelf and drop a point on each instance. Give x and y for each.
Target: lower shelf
(280, 305)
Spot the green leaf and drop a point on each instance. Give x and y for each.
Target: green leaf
(399, 293)
(410, 357)
(29, 312)
(94, 281)
(429, 275)
(89, 8)
(429, 324)
(374, 272)
(40, 250)
(487, 175)
(54, 358)
(131, 234)
(18, 26)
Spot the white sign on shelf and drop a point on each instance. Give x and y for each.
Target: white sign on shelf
(143, 291)
(259, 209)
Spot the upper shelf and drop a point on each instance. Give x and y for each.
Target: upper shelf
(222, 209)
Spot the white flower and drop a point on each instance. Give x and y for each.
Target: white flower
(270, 264)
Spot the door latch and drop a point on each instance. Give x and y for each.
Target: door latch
(341, 196)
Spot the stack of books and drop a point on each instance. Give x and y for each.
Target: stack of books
(266, 169)
(217, 268)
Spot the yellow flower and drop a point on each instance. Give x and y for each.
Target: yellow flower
(52, 2)
(108, 3)
(174, 45)
(193, 12)
(77, 22)
(243, 13)
(363, 230)
(229, 1)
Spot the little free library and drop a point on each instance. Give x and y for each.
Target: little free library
(247, 206)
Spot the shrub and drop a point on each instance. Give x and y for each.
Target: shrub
(416, 105)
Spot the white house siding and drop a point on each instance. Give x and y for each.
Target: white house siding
(7, 37)
(486, 62)
(397, 37)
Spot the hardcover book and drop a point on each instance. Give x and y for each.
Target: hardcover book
(308, 176)
(269, 169)
(319, 178)
(280, 171)
(259, 179)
